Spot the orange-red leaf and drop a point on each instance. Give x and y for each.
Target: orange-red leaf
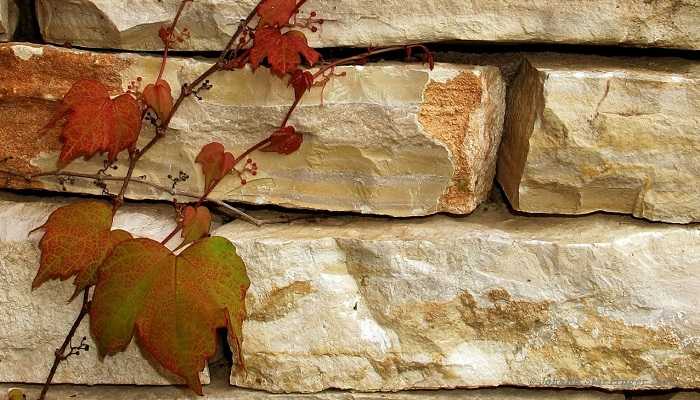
(159, 98)
(216, 163)
(283, 51)
(301, 81)
(173, 304)
(196, 223)
(284, 141)
(94, 123)
(276, 12)
(76, 240)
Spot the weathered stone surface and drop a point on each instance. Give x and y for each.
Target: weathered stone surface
(220, 392)
(35, 323)
(619, 135)
(377, 304)
(490, 299)
(134, 24)
(392, 139)
(8, 19)
(4, 16)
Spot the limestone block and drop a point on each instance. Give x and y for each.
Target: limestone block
(134, 24)
(374, 304)
(34, 324)
(490, 299)
(591, 134)
(393, 139)
(221, 392)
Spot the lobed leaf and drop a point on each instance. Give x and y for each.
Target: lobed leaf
(158, 96)
(283, 51)
(172, 304)
(77, 239)
(284, 141)
(196, 223)
(301, 82)
(276, 12)
(216, 163)
(94, 123)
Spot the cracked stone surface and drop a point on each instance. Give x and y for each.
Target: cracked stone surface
(134, 24)
(590, 134)
(34, 324)
(392, 139)
(490, 299)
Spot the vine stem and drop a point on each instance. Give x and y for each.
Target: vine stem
(168, 42)
(322, 70)
(60, 354)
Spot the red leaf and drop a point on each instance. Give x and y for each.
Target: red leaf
(284, 141)
(216, 164)
(76, 240)
(94, 123)
(301, 81)
(196, 223)
(173, 304)
(159, 97)
(283, 52)
(276, 12)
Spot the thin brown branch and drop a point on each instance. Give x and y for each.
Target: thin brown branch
(168, 42)
(349, 60)
(60, 354)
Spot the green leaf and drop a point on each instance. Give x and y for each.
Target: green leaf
(173, 304)
(77, 238)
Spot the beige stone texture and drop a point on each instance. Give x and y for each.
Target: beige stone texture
(9, 13)
(134, 24)
(35, 323)
(375, 304)
(392, 139)
(587, 134)
(221, 392)
(490, 299)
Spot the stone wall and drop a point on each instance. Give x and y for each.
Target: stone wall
(523, 219)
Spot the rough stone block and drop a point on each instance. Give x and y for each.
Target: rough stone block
(393, 139)
(587, 134)
(134, 24)
(490, 299)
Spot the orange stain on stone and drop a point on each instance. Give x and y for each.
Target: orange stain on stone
(445, 114)
(31, 87)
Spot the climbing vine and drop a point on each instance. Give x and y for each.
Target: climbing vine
(171, 301)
